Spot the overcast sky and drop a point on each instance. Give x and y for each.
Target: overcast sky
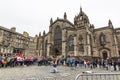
(33, 16)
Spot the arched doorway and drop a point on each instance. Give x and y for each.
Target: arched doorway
(105, 55)
(56, 51)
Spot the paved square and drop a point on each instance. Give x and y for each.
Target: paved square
(41, 73)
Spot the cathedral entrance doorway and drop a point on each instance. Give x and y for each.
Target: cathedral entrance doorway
(105, 55)
(57, 50)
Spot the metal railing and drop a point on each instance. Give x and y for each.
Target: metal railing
(98, 76)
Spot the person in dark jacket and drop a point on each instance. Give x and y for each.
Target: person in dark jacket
(114, 65)
(118, 64)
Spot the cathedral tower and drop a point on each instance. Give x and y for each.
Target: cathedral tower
(81, 19)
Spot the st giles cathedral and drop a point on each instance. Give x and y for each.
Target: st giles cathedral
(80, 38)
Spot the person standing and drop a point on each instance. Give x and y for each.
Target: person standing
(118, 64)
(0, 61)
(70, 62)
(114, 65)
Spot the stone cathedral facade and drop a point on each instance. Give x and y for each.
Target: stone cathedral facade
(80, 38)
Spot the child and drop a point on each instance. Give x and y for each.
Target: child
(54, 70)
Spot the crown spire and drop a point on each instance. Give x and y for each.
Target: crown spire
(80, 9)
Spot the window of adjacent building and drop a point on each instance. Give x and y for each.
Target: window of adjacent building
(70, 43)
(17, 36)
(16, 40)
(21, 41)
(31, 39)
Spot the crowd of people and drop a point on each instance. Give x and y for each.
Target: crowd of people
(16, 60)
(70, 61)
(107, 64)
(75, 62)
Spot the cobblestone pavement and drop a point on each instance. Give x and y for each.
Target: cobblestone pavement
(41, 73)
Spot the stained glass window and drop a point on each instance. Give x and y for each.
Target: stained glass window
(58, 36)
(70, 43)
(102, 39)
(81, 46)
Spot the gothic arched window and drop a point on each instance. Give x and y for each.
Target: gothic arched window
(58, 36)
(80, 45)
(70, 43)
(57, 41)
(45, 48)
(102, 39)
